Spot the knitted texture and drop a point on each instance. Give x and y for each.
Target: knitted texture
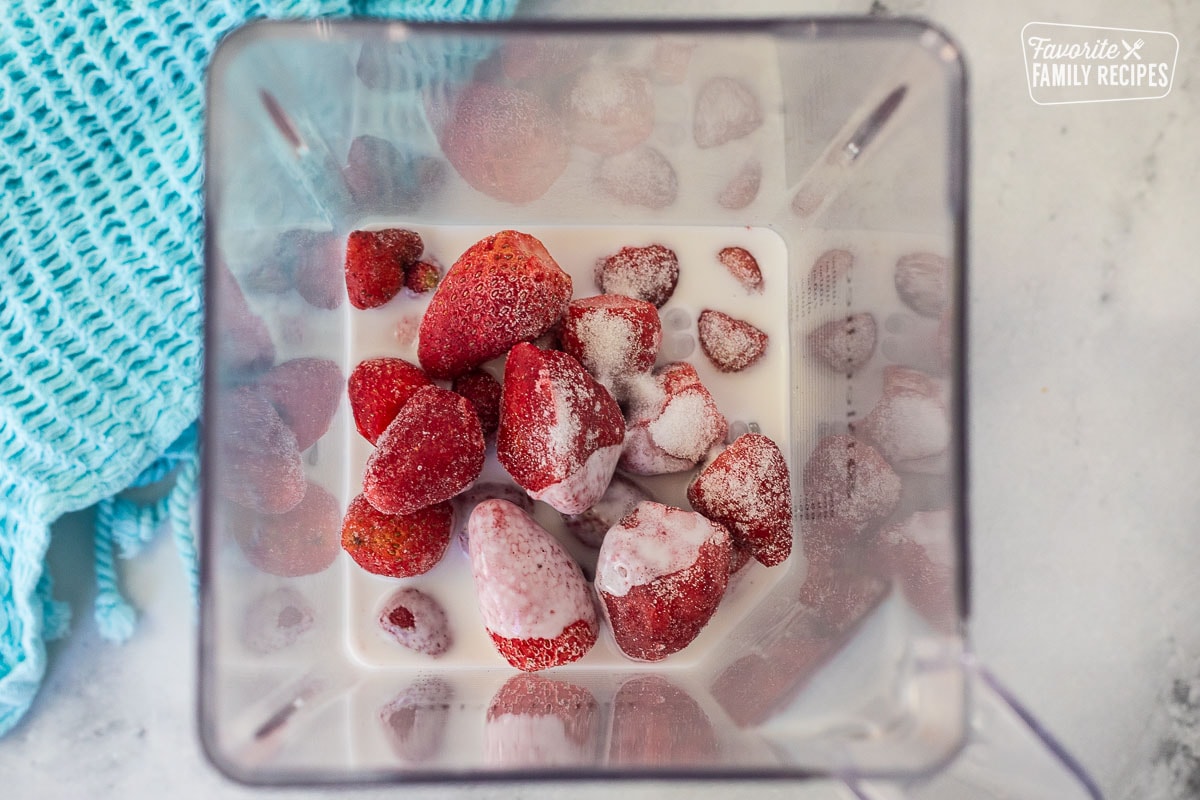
(100, 293)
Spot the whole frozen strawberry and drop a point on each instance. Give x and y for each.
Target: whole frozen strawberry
(673, 422)
(376, 262)
(396, 545)
(847, 480)
(417, 621)
(245, 344)
(414, 721)
(844, 344)
(612, 335)
(743, 266)
(560, 431)
(305, 392)
(730, 344)
(378, 389)
(748, 490)
(655, 722)
(644, 273)
(300, 541)
(503, 290)
(609, 109)
(532, 596)
(661, 574)
(726, 109)
(430, 452)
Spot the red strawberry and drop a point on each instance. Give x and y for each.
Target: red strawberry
(376, 262)
(414, 721)
(644, 273)
(301, 541)
(748, 490)
(621, 497)
(730, 344)
(505, 289)
(532, 596)
(742, 187)
(560, 431)
(672, 424)
(261, 467)
(430, 452)
(417, 621)
(245, 343)
(847, 480)
(378, 389)
(305, 392)
(743, 266)
(421, 277)
(609, 109)
(655, 722)
(661, 574)
(844, 344)
(535, 721)
(612, 336)
(484, 393)
(396, 545)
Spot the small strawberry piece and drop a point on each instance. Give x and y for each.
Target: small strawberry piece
(244, 342)
(909, 425)
(612, 336)
(923, 282)
(655, 723)
(726, 109)
(275, 620)
(639, 177)
(301, 541)
(414, 721)
(641, 456)
(828, 274)
(608, 110)
(748, 490)
(743, 266)
(417, 621)
(662, 572)
(505, 142)
(742, 187)
(532, 595)
(503, 290)
(919, 553)
(261, 467)
(643, 273)
(483, 391)
(535, 721)
(305, 392)
(621, 497)
(430, 452)
(378, 389)
(844, 344)
(847, 480)
(730, 344)
(396, 545)
(376, 262)
(383, 180)
(560, 431)
(673, 422)
(465, 502)
(421, 277)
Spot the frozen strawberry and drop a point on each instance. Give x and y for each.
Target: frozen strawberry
(612, 335)
(505, 142)
(396, 545)
(542, 58)
(275, 620)
(430, 452)
(376, 262)
(641, 456)
(661, 574)
(730, 344)
(560, 431)
(504, 289)
(655, 723)
(643, 273)
(639, 177)
(672, 56)
(748, 490)
(301, 541)
(743, 266)
(726, 109)
(829, 274)
(608, 110)
(417, 621)
(538, 722)
(839, 596)
(382, 179)
(483, 391)
(261, 467)
(621, 497)
(307, 259)
(910, 424)
(844, 344)
(465, 503)
(378, 389)
(532, 596)
(919, 553)
(414, 721)
(739, 556)
(905, 380)
(673, 422)
(421, 277)
(688, 423)
(742, 187)
(923, 282)
(305, 392)
(244, 342)
(847, 480)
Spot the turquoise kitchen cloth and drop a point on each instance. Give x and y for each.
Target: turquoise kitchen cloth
(101, 107)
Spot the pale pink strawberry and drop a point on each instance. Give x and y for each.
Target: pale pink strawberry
(919, 553)
(261, 466)
(305, 392)
(923, 283)
(672, 56)
(245, 344)
(731, 344)
(910, 424)
(829, 274)
(726, 109)
(414, 721)
(742, 187)
(464, 503)
(839, 596)
(673, 422)
(612, 336)
(847, 480)
(417, 621)
(639, 177)
(844, 344)
(300, 541)
(275, 620)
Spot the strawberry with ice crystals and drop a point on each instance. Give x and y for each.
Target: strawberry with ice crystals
(560, 431)
(609, 109)
(847, 480)
(621, 497)
(643, 273)
(381, 178)
(422, 276)
(305, 392)
(430, 452)
(919, 553)
(378, 389)
(300, 541)
(396, 545)
(640, 177)
(612, 336)
(532, 596)
(535, 721)
(261, 467)
(505, 289)
(661, 574)
(376, 262)
(743, 266)
(484, 393)
(828, 275)
(417, 621)
(748, 490)
(910, 424)
(742, 187)
(673, 422)
(844, 344)
(726, 109)
(730, 344)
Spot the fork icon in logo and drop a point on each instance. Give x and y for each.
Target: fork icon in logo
(1132, 49)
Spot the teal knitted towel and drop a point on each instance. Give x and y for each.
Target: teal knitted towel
(100, 296)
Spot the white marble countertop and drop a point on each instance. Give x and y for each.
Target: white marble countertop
(1085, 450)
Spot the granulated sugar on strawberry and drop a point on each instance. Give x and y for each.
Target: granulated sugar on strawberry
(430, 452)
(300, 541)
(726, 109)
(465, 502)
(378, 389)
(673, 422)
(539, 722)
(730, 344)
(483, 391)
(743, 266)
(532, 596)
(261, 463)
(647, 273)
(560, 431)
(742, 187)
(844, 344)
(417, 621)
(414, 721)
(396, 545)
(848, 480)
(376, 262)
(910, 424)
(275, 620)
(919, 553)
(621, 497)
(608, 110)
(503, 290)
(306, 393)
(662, 572)
(612, 336)
(747, 489)
(639, 177)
